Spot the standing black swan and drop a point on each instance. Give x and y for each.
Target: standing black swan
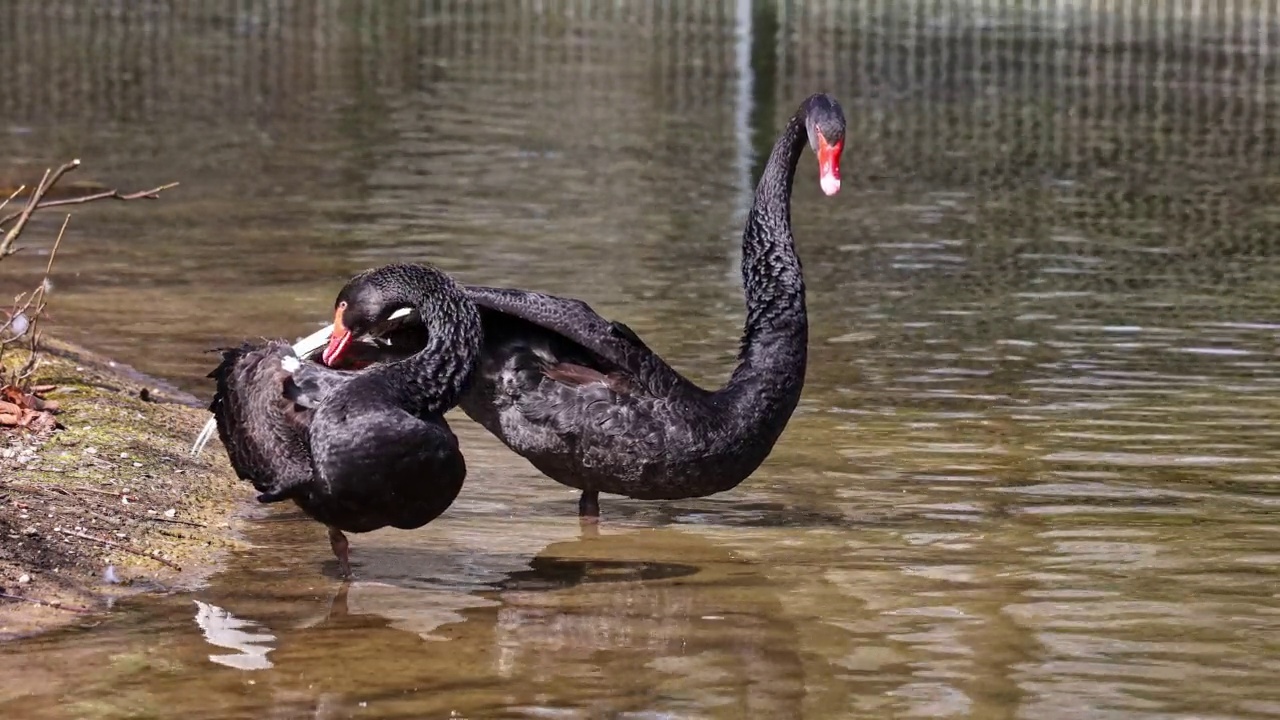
(356, 450)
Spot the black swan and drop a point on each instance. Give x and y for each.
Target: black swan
(356, 450)
(591, 406)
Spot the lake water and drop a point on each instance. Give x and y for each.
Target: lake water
(1034, 470)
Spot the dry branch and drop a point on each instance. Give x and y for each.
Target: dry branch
(120, 546)
(152, 194)
(37, 202)
(21, 319)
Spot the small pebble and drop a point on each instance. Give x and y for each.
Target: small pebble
(170, 512)
(30, 531)
(23, 579)
(137, 464)
(91, 450)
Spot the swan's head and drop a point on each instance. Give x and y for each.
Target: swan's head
(357, 322)
(824, 121)
(377, 306)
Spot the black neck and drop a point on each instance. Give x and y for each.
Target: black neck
(775, 337)
(431, 381)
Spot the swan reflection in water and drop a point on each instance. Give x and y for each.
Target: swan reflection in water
(225, 630)
(651, 620)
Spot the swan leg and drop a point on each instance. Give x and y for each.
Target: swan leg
(341, 549)
(589, 506)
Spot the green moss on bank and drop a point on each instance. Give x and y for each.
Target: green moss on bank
(119, 472)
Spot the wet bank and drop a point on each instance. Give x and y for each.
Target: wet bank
(111, 503)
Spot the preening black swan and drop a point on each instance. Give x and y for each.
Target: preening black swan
(591, 406)
(356, 450)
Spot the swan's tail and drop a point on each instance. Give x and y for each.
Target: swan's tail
(303, 348)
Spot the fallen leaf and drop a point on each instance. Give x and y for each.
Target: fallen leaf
(13, 396)
(10, 414)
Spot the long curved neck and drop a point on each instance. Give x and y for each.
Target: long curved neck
(431, 381)
(773, 353)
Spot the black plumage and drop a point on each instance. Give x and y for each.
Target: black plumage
(357, 450)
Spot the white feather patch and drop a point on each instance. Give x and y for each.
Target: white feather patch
(313, 342)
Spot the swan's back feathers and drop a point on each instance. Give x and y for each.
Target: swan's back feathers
(613, 343)
(310, 383)
(264, 433)
(578, 375)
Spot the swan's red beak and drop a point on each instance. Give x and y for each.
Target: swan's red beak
(339, 338)
(829, 164)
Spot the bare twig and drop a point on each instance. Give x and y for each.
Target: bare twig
(12, 196)
(6, 244)
(112, 544)
(172, 520)
(152, 194)
(108, 493)
(56, 606)
(39, 298)
(21, 323)
(54, 251)
(37, 202)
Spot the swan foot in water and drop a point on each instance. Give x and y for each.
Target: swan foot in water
(341, 549)
(589, 506)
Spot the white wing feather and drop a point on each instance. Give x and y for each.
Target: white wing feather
(302, 349)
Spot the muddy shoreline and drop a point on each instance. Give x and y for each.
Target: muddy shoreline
(111, 504)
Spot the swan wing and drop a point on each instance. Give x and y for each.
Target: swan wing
(264, 438)
(611, 341)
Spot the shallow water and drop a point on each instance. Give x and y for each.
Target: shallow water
(1033, 473)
